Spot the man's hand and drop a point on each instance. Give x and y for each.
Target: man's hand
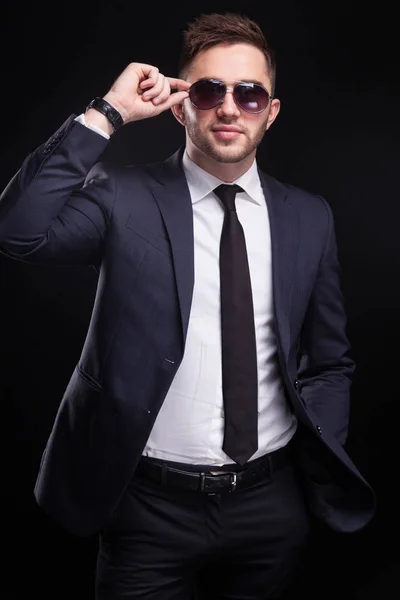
(140, 92)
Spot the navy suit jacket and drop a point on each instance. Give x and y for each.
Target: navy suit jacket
(135, 225)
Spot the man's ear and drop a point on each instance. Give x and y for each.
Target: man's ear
(273, 112)
(179, 113)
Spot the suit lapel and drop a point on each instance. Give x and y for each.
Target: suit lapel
(284, 247)
(172, 195)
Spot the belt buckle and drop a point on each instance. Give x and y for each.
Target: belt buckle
(233, 481)
(232, 474)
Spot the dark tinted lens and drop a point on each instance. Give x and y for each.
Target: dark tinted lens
(253, 98)
(206, 94)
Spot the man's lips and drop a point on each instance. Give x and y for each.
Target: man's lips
(227, 132)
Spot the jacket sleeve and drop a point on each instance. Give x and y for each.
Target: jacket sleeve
(56, 208)
(325, 364)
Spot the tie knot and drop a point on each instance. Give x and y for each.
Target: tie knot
(226, 193)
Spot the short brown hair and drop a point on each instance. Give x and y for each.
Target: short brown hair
(209, 30)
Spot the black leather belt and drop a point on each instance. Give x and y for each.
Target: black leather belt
(213, 481)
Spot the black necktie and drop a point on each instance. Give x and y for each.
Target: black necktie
(239, 357)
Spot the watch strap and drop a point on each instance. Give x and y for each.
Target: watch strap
(108, 111)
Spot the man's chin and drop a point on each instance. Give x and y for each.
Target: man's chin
(229, 154)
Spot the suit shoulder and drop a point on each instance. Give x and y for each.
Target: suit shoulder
(304, 199)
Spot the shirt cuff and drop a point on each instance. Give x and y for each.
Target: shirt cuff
(81, 120)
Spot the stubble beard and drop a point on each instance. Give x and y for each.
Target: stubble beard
(225, 151)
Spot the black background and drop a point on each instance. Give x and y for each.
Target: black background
(337, 135)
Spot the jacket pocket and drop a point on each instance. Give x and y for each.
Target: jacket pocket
(150, 237)
(88, 378)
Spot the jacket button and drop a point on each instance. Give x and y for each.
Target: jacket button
(296, 384)
(318, 428)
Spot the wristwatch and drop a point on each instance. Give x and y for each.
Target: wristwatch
(108, 111)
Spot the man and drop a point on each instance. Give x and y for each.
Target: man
(205, 422)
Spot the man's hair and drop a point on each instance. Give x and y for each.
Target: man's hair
(208, 30)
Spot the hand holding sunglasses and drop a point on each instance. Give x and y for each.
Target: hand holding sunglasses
(251, 97)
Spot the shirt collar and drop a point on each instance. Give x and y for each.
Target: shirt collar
(201, 183)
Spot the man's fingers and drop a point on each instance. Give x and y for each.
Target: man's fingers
(150, 72)
(151, 75)
(178, 84)
(163, 95)
(174, 98)
(152, 88)
(157, 88)
(143, 92)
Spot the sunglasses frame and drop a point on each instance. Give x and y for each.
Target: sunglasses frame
(231, 89)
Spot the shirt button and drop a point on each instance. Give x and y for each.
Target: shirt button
(222, 414)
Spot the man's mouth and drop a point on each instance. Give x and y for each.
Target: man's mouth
(227, 132)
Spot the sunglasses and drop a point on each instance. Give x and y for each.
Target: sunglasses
(208, 93)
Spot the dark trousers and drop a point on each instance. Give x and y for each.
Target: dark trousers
(164, 543)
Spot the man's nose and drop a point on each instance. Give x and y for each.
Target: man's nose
(228, 107)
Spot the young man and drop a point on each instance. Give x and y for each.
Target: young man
(205, 422)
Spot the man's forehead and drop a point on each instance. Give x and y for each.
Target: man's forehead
(234, 62)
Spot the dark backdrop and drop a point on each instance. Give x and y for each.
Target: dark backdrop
(337, 135)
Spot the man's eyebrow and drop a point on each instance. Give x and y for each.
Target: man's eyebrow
(244, 80)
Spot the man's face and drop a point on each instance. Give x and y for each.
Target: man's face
(227, 133)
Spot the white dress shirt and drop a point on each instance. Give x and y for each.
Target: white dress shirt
(189, 426)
